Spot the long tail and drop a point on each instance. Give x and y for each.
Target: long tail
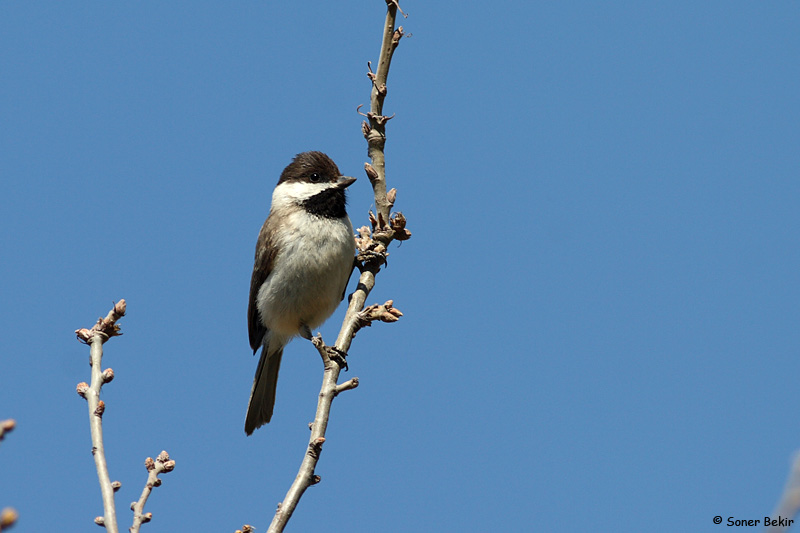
(262, 396)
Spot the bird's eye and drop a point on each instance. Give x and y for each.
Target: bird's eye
(315, 178)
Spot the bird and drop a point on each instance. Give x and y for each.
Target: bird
(305, 255)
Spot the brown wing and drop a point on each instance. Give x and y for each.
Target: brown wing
(265, 254)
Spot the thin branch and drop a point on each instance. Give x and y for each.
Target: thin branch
(162, 464)
(789, 504)
(375, 131)
(104, 329)
(305, 476)
(371, 247)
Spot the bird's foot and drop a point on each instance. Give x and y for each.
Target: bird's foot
(337, 356)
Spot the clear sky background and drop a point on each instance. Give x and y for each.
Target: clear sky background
(600, 294)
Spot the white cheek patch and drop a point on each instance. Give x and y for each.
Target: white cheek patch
(294, 192)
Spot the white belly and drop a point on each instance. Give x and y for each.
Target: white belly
(309, 275)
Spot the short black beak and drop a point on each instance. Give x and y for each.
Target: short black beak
(345, 181)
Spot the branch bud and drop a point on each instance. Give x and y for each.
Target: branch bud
(121, 306)
(7, 426)
(397, 35)
(398, 223)
(107, 375)
(84, 335)
(100, 521)
(7, 517)
(372, 174)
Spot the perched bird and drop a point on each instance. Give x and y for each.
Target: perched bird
(304, 257)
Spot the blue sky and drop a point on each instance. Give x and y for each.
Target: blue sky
(600, 295)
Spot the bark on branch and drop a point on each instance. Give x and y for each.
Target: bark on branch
(104, 329)
(371, 255)
(162, 464)
(95, 337)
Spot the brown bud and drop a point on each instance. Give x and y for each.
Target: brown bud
(100, 521)
(146, 517)
(372, 174)
(116, 485)
(84, 335)
(149, 464)
(397, 35)
(162, 457)
(391, 196)
(100, 409)
(82, 389)
(108, 375)
(7, 517)
(398, 222)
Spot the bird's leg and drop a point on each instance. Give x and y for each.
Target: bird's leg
(334, 354)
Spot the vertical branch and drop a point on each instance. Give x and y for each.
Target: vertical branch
(104, 329)
(375, 131)
(96, 409)
(372, 253)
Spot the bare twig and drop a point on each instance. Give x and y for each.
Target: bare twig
(104, 329)
(162, 464)
(371, 245)
(375, 130)
(789, 504)
(305, 476)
